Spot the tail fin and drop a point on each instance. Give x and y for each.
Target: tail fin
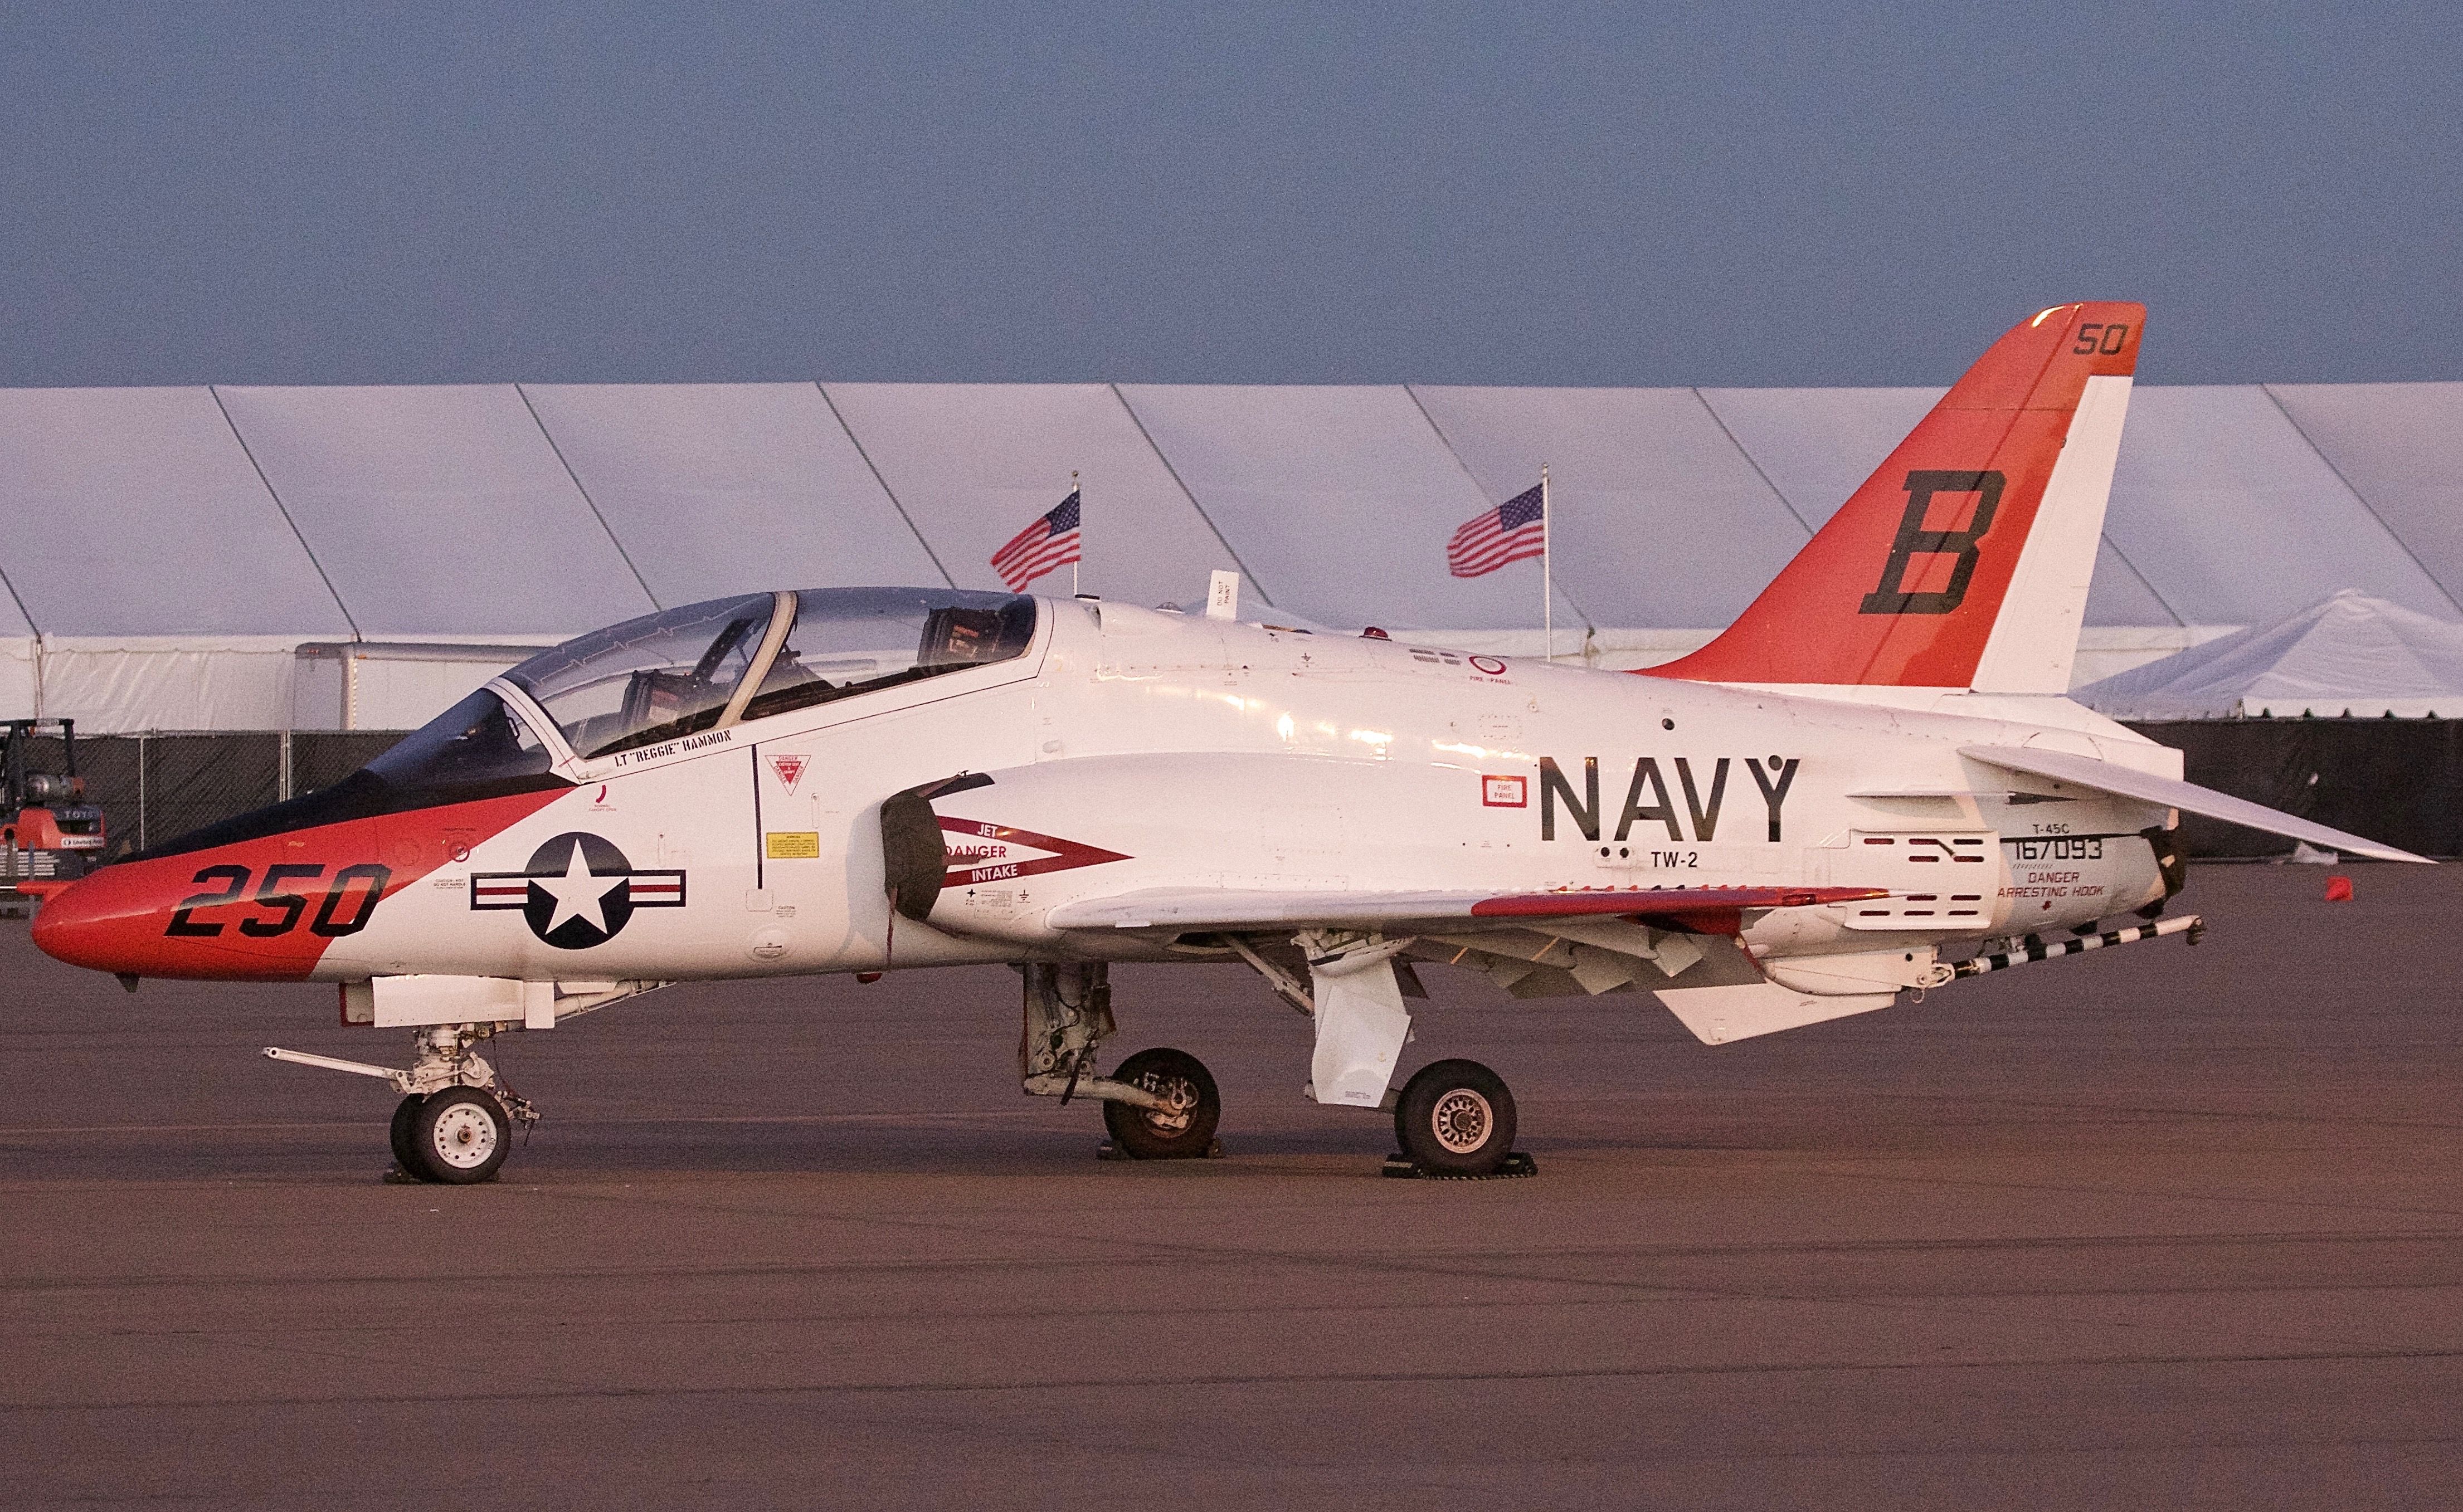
(1963, 562)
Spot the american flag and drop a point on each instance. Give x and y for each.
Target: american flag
(1050, 542)
(1515, 530)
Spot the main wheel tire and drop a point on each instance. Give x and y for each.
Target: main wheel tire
(1455, 1117)
(406, 1137)
(1185, 1133)
(461, 1135)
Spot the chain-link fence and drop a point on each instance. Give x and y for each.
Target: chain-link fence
(155, 788)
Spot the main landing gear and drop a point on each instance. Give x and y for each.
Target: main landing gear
(1455, 1119)
(1158, 1105)
(455, 1121)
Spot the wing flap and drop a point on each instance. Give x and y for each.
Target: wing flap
(2128, 782)
(1230, 908)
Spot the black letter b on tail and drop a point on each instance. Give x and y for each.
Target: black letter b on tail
(1914, 540)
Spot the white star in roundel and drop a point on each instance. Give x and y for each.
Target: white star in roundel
(577, 894)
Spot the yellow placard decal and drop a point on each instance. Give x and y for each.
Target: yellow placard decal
(794, 845)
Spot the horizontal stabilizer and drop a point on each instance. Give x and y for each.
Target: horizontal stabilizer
(2128, 782)
(1230, 908)
(1721, 1015)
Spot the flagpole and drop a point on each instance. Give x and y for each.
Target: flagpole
(1547, 581)
(1082, 531)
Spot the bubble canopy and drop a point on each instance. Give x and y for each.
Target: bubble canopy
(711, 665)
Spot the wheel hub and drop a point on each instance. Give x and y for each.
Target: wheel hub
(1462, 1120)
(1177, 1090)
(465, 1137)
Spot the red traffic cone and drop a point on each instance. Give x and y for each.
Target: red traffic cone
(2338, 889)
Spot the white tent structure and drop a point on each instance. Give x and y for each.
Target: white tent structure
(2352, 654)
(313, 558)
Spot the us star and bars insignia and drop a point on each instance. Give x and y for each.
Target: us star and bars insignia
(578, 890)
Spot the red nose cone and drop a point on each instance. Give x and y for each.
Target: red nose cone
(127, 918)
(81, 925)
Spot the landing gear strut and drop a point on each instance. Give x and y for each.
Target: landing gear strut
(455, 1121)
(1161, 1105)
(1454, 1120)
(1186, 1131)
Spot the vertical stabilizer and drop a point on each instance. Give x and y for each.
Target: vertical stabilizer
(1964, 561)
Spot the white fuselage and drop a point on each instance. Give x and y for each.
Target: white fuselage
(1204, 753)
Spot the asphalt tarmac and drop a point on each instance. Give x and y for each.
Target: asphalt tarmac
(2157, 1226)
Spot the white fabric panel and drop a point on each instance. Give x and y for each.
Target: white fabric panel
(114, 685)
(1340, 499)
(1659, 520)
(2352, 654)
(972, 464)
(438, 509)
(1818, 446)
(17, 677)
(2118, 594)
(13, 621)
(718, 488)
(2400, 446)
(134, 511)
(2236, 519)
(387, 686)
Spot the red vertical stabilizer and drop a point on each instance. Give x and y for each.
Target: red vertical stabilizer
(1964, 560)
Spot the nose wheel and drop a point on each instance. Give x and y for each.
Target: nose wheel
(457, 1136)
(405, 1153)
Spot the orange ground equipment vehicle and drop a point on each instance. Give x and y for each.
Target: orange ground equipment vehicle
(49, 833)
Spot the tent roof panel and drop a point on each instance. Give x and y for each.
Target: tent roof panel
(2234, 519)
(1661, 521)
(2400, 446)
(1818, 446)
(437, 509)
(2350, 652)
(2118, 596)
(717, 489)
(974, 463)
(134, 511)
(1340, 499)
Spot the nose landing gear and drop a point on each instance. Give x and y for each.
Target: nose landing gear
(454, 1124)
(456, 1136)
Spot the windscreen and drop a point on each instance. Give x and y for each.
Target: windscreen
(648, 680)
(472, 747)
(850, 641)
(478, 748)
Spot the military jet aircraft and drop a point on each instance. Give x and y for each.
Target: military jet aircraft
(1870, 785)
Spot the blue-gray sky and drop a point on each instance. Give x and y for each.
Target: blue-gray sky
(1556, 193)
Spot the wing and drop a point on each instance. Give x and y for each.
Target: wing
(1712, 910)
(2171, 792)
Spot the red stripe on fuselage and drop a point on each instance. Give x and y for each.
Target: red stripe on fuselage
(121, 918)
